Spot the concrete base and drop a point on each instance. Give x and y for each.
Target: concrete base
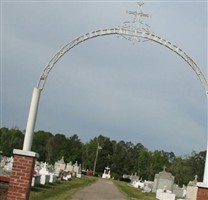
(191, 192)
(164, 195)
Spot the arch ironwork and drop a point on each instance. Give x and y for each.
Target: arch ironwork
(136, 35)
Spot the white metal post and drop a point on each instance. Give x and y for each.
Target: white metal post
(205, 179)
(31, 119)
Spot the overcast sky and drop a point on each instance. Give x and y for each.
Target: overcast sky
(142, 92)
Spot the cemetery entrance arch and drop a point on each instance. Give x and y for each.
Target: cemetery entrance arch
(128, 33)
(131, 34)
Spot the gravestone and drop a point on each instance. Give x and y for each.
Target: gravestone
(163, 179)
(75, 169)
(6, 165)
(35, 180)
(60, 165)
(192, 189)
(134, 177)
(106, 173)
(138, 184)
(191, 192)
(79, 171)
(45, 177)
(66, 176)
(179, 192)
(148, 185)
(69, 167)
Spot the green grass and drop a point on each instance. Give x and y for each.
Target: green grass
(132, 193)
(62, 190)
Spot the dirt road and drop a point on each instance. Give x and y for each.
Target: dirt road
(103, 189)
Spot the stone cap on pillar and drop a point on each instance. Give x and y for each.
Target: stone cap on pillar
(25, 153)
(202, 185)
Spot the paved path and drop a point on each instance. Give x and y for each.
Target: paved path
(103, 189)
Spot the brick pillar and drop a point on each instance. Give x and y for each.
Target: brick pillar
(21, 175)
(202, 193)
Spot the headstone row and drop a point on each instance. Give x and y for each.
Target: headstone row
(164, 186)
(43, 172)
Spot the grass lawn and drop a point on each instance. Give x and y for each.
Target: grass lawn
(132, 193)
(61, 190)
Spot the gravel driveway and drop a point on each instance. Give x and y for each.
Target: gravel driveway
(103, 189)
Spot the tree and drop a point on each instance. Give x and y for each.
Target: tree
(56, 147)
(10, 139)
(105, 149)
(16, 139)
(73, 150)
(122, 157)
(159, 160)
(40, 140)
(143, 163)
(120, 160)
(101, 145)
(89, 154)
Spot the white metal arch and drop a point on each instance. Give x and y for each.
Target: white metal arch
(123, 32)
(131, 34)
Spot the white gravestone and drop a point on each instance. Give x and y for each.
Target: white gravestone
(138, 184)
(79, 172)
(60, 165)
(163, 179)
(192, 189)
(148, 185)
(69, 167)
(179, 192)
(45, 177)
(35, 180)
(106, 173)
(191, 192)
(75, 169)
(6, 165)
(66, 177)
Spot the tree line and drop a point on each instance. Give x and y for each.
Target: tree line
(122, 157)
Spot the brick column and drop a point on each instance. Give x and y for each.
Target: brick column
(202, 193)
(21, 175)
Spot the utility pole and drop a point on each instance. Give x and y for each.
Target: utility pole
(96, 156)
